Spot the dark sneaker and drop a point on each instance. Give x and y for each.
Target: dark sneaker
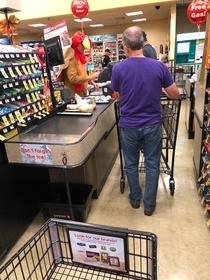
(149, 212)
(135, 205)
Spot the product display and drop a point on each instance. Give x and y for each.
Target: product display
(97, 54)
(102, 42)
(97, 51)
(24, 92)
(112, 46)
(121, 54)
(202, 140)
(204, 180)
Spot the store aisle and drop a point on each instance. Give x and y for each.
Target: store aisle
(178, 221)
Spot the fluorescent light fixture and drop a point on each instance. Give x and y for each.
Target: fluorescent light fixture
(96, 25)
(37, 25)
(134, 13)
(140, 19)
(83, 19)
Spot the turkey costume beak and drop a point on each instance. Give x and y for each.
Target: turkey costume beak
(86, 43)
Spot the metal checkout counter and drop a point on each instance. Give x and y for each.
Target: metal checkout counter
(74, 148)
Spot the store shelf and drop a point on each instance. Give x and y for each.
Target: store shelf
(23, 90)
(110, 42)
(204, 179)
(112, 46)
(121, 54)
(97, 50)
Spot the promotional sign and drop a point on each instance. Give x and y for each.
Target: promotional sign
(99, 250)
(199, 51)
(36, 154)
(197, 12)
(58, 29)
(79, 8)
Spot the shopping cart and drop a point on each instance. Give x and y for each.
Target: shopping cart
(67, 250)
(170, 113)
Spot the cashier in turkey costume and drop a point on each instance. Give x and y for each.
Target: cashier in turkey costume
(73, 73)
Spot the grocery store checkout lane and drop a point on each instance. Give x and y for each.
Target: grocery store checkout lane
(76, 135)
(88, 142)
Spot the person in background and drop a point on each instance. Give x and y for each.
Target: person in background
(148, 50)
(164, 58)
(106, 58)
(137, 82)
(73, 72)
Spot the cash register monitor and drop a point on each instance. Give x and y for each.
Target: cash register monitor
(54, 51)
(106, 72)
(110, 65)
(104, 75)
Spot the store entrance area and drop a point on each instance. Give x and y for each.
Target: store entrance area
(178, 221)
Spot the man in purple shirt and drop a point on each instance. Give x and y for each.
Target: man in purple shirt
(138, 82)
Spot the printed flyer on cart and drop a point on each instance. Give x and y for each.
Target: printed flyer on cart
(98, 250)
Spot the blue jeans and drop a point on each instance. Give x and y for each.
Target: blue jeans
(149, 139)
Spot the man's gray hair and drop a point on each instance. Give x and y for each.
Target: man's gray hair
(133, 38)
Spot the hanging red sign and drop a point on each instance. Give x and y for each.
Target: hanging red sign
(79, 8)
(197, 12)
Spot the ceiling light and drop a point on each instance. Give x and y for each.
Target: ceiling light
(83, 19)
(134, 13)
(96, 25)
(140, 19)
(37, 25)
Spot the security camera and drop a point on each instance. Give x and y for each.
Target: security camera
(157, 7)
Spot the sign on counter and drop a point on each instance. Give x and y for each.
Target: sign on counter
(36, 154)
(103, 250)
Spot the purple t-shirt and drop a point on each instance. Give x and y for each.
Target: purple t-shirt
(139, 81)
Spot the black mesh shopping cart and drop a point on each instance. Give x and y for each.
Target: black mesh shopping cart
(67, 250)
(170, 115)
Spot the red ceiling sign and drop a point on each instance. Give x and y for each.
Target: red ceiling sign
(79, 8)
(197, 12)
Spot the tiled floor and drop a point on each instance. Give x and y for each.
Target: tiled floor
(178, 221)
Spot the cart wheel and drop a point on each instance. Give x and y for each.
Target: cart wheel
(122, 185)
(172, 186)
